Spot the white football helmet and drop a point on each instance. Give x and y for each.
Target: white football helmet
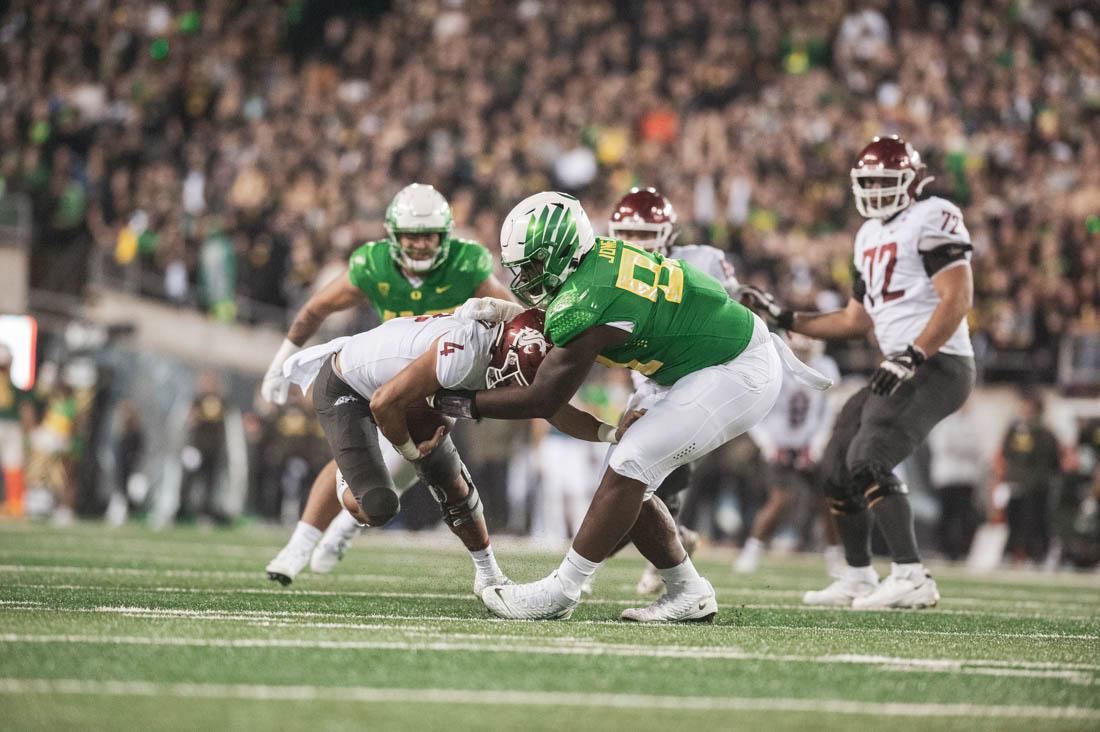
(419, 209)
(542, 241)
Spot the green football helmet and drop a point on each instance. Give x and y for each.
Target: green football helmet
(542, 241)
(418, 209)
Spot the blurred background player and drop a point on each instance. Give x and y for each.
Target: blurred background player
(16, 418)
(417, 269)
(790, 440)
(913, 287)
(646, 218)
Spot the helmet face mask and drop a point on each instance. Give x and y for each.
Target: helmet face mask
(418, 209)
(646, 218)
(887, 178)
(542, 241)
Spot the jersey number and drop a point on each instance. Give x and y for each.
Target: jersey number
(889, 252)
(632, 259)
(449, 348)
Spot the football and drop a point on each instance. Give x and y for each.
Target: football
(423, 422)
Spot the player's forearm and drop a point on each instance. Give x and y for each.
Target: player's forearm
(518, 402)
(307, 322)
(944, 322)
(389, 413)
(577, 423)
(835, 325)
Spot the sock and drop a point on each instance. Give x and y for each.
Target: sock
(855, 533)
(682, 573)
(305, 537)
(343, 523)
(861, 574)
(485, 563)
(574, 571)
(753, 546)
(13, 491)
(907, 570)
(895, 518)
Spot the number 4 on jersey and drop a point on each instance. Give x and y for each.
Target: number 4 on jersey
(889, 252)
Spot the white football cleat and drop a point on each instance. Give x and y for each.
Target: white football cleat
(691, 602)
(542, 600)
(481, 582)
(336, 540)
(287, 564)
(911, 589)
(845, 590)
(749, 558)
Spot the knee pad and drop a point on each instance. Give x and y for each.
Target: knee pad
(380, 505)
(464, 510)
(875, 482)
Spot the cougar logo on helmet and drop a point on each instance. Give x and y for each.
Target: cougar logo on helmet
(518, 351)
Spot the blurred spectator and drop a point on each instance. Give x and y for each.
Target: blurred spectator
(204, 456)
(215, 154)
(56, 446)
(957, 470)
(16, 418)
(1029, 469)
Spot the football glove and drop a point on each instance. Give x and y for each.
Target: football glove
(764, 304)
(490, 309)
(896, 370)
(275, 387)
(454, 403)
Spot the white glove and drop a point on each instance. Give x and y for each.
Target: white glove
(489, 308)
(276, 387)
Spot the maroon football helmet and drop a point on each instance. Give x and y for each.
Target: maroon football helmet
(888, 177)
(518, 351)
(645, 211)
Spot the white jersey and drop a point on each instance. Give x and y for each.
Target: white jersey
(372, 358)
(800, 413)
(708, 259)
(900, 297)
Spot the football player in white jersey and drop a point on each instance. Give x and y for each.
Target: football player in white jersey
(382, 376)
(789, 440)
(913, 287)
(645, 217)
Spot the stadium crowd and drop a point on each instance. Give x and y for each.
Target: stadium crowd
(228, 155)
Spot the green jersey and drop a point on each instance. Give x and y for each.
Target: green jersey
(682, 318)
(372, 269)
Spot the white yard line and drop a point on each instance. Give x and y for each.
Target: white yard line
(462, 596)
(535, 698)
(1071, 673)
(192, 573)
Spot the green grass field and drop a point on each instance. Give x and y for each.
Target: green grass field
(131, 629)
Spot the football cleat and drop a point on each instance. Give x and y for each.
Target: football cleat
(338, 537)
(287, 564)
(749, 558)
(912, 589)
(691, 602)
(843, 591)
(481, 582)
(541, 600)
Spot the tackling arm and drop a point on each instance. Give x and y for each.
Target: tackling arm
(851, 322)
(558, 378)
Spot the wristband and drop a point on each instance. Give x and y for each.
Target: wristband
(785, 319)
(408, 450)
(454, 403)
(917, 354)
(606, 433)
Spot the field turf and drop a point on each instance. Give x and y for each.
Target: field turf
(131, 629)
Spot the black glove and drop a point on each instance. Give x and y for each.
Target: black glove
(764, 304)
(896, 370)
(454, 403)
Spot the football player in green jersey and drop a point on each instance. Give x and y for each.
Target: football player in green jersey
(418, 269)
(610, 301)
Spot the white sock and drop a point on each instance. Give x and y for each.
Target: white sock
(861, 574)
(574, 571)
(485, 563)
(682, 573)
(343, 523)
(305, 537)
(906, 570)
(753, 546)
